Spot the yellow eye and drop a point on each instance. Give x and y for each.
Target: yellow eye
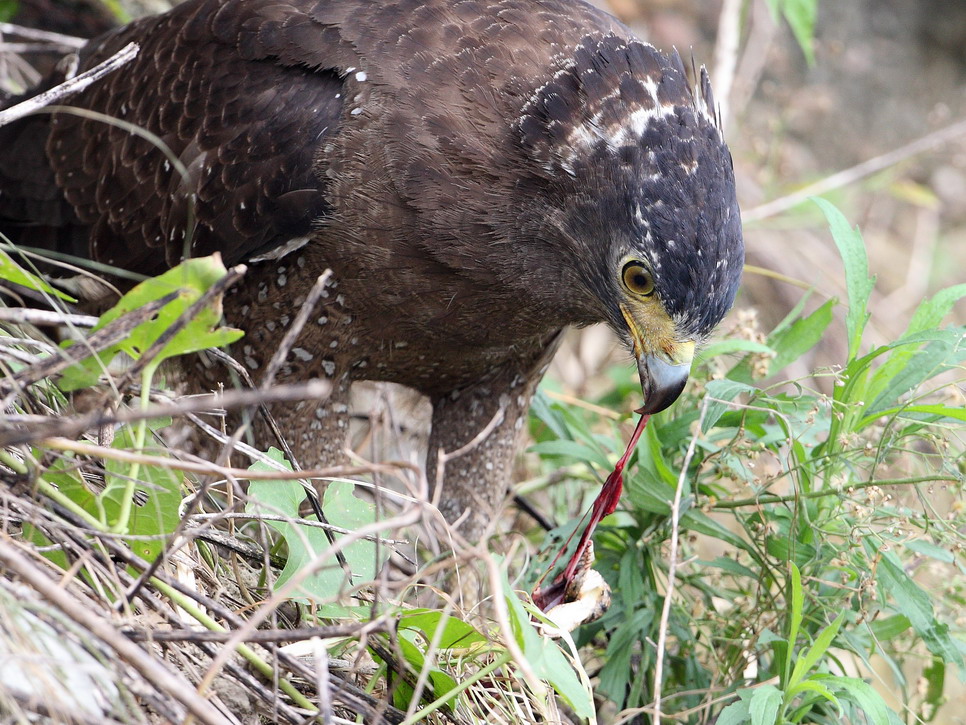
(638, 279)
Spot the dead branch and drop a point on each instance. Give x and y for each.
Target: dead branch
(70, 86)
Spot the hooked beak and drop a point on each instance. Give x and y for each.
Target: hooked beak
(664, 373)
(663, 378)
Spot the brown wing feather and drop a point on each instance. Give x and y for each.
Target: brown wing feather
(245, 125)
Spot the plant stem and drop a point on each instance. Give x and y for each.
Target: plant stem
(263, 667)
(124, 515)
(775, 498)
(50, 491)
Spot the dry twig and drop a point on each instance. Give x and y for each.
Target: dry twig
(70, 86)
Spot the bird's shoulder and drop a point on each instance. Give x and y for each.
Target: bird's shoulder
(241, 116)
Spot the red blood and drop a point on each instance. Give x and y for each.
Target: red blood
(604, 505)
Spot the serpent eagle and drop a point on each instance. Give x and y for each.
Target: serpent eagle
(477, 174)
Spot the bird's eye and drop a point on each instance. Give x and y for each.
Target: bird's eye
(638, 279)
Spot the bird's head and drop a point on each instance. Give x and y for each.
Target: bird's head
(650, 225)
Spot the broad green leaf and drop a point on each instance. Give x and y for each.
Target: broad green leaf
(863, 695)
(857, 280)
(456, 633)
(544, 410)
(931, 312)
(647, 492)
(793, 314)
(160, 487)
(700, 522)
(735, 714)
(729, 565)
(799, 337)
(190, 280)
(941, 411)
(346, 510)
(916, 605)
(719, 393)
(927, 317)
(819, 689)
(890, 381)
(13, 272)
(650, 456)
(544, 656)
(617, 677)
(763, 705)
(441, 681)
(305, 544)
(887, 628)
(927, 548)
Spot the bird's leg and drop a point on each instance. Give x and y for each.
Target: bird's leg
(473, 439)
(316, 430)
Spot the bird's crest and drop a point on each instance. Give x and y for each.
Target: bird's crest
(607, 95)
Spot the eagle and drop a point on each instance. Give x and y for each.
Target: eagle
(477, 175)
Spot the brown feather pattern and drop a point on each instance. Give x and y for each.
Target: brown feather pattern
(473, 172)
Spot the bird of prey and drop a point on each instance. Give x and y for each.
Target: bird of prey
(477, 174)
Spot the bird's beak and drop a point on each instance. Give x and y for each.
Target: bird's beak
(663, 377)
(664, 370)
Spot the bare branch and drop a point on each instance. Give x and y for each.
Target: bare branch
(70, 86)
(854, 173)
(672, 569)
(21, 31)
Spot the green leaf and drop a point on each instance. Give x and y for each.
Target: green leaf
(307, 544)
(190, 280)
(935, 676)
(346, 510)
(544, 656)
(548, 414)
(916, 605)
(720, 348)
(699, 522)
(729, 565)
(456, 633)
(8, 8)
(572, 449)
(800, 16)
(807, 660)
(719, 393)
(888, 628)
(799, 337)
(927, 317)
(927, 548)
(940, 411)
(736, 713)
(416, 658)
(857, 280)
(862, 694)
(13, 272)
(812, 685)
(795, 598)
(931, 312)
(159, 514)
(763, 705)
(900, 375)
(647, 492)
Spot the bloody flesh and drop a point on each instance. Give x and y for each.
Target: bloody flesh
(604, 505)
